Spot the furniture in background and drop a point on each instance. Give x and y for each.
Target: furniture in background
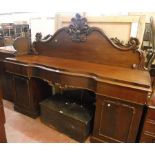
(84, 57)
(148, 130)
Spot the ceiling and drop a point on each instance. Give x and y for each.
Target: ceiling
(95, 6)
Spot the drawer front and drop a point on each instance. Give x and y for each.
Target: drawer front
(148, 135)
(147, 138)
(16, 68)
(149, 127)
(151, 114)
(117, 91)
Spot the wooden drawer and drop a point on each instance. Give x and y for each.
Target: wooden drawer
(123, 93)
(148, 134)
(16, 68)
(150, 127)
(148, 138)
(151, 114)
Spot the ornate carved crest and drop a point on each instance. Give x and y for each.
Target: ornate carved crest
(78, 29)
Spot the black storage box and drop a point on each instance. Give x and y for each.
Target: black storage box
(71, 118)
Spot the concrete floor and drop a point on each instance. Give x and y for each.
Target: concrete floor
(23, 129)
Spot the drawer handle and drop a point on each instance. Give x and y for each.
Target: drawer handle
(149, 95)
(61, 111)
(108, 104)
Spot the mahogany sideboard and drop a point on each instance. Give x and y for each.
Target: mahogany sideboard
(84, 57)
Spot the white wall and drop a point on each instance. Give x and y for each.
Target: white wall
(45, 25)
(92, 6)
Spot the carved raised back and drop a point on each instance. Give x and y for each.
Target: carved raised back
(90, 44)
(122, 27)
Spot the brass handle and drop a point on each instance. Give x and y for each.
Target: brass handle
(61, 111)
(149, 95)
(108, 104)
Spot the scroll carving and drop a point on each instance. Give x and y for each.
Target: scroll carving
(142, 60)
(38, 36)
(133, 43)
(78, 29)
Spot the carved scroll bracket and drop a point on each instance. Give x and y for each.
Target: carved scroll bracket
(142, 58)
(133, 43)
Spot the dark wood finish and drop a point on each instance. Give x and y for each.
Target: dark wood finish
(86, 51)
(69, 43)
(86, 58)
(2, 122)
(28, 93)
(148, 134)
(72, 73)
(6, 78)
(148, 130)
(116, 120)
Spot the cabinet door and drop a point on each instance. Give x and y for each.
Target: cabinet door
(8, 86)
(22, 93)
(28, 94)
(116, 120)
